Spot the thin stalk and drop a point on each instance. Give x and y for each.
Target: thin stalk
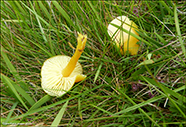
(72, 63)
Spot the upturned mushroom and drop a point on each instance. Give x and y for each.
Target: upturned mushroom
(123, 40)
(59, 73)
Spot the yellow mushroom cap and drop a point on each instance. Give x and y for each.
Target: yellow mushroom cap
(59, 73)
(121, 38)
(53, 82)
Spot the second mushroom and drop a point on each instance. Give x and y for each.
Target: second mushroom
(124, 41)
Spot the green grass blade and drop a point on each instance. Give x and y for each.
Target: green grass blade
(180, 88)
(5, 10)
(35, 14)
(167, 92)
(11, 112)
(42, 48)
(59, 116)
(178, 31)
(164, 88)
(94, 10)
(168, 8)
(21, 92)
(107, 112)
(21, 15)
(13, 70)
(8, 82)
(161, 38)
(40, 26)
(79, 108)
(44, 9)
(40, 102)
(145, 62)
(9, 124)
(20, 8)
(154, 99)
(141, 110)
(7, 61)
(121, 116)
(54, 104)
(63, 13)
(97, 73)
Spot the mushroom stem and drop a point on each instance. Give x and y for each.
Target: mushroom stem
(79, 49)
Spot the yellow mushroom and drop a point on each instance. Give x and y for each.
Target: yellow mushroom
(59, 73)
(123, 40)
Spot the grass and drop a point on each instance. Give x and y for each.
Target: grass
(148, 89)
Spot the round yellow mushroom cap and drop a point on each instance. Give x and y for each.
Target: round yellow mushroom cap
(59, 73)
(123, 41)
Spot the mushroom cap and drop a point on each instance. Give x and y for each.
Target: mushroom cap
(121, 38)
(52, 80)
